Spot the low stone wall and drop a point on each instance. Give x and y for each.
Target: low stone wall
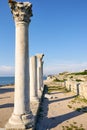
(80, 88)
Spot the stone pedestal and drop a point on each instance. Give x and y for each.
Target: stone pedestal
(39, 73)
(22, 116)
(33, 79)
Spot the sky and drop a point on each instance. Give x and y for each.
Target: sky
(58, 29)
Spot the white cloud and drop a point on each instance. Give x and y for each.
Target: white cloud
(57, 68)
(6, 70)
(51, 68)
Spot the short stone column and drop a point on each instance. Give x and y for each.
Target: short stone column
(39, 73)
(33, 79)
(22, 117)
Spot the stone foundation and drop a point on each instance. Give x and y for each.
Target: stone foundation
(80, 88)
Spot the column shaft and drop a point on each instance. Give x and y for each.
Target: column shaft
(42, 86)
(21, 70)
(33, 79)
(39, 73)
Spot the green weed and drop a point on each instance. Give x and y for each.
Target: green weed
(56, 88)
(73, 127)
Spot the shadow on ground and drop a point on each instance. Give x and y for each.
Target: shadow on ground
(45, 123)
(67, 98)
(5, 90)
(6, 105)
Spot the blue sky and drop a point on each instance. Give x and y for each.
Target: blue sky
(58, 29)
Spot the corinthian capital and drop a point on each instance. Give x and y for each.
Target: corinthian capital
(21, 10)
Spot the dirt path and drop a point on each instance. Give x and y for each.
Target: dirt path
(62, 111)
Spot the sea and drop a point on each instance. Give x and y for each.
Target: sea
(10, 80)
(6, 80)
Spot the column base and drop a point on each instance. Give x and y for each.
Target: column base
(34, 99)
(20, 122)
(42, 88)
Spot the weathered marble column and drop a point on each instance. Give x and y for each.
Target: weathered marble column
(39, 73)
(22, 116)
(33, 79)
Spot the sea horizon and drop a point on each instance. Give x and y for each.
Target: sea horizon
(6, 80)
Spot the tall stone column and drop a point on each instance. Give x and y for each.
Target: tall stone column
(22, 116)
(33, 79)
(39, 72)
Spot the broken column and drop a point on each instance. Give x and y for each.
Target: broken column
(22, 116)
(33, 79)
(39, 73)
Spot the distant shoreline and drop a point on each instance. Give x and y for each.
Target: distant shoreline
(6, 85)
(6, 81)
